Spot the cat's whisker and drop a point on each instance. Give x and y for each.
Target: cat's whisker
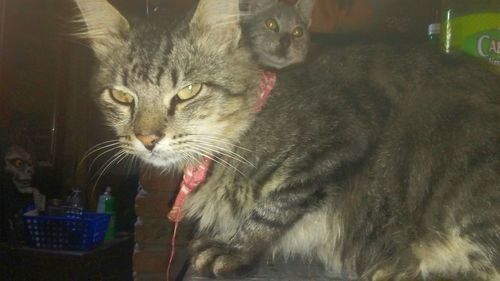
(113, 158)
(186, 158)
(215, 159)
(126, 155)
(120, 157)
(108, 164)
(101, 154)
(132, 163)
(96, 148)
(226, 145)
(192, 158)
(99, 147)
(225, 151)
(127, 164)
(101, 144)
(222, 151)
(166, 169)
(221, 139)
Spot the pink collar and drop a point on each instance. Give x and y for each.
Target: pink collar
(266, 86)
(195, 175)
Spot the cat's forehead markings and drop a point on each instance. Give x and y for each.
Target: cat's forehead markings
(159, 75)
(175, 77)
(134, 68)
(124, 77)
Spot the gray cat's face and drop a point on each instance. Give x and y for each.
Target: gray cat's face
(278, 32)
(174, 96)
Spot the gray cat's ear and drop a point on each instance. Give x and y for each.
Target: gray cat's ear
(103, 25)
(305, 8)
(219, 21)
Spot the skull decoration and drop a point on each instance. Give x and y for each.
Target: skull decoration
(19, 164)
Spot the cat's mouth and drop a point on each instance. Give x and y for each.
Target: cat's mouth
(162, 159)
(277, 62)
(168, 159)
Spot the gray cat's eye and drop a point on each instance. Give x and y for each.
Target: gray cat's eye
(121, 97)
(272, 25)
(189, 91)
(297, 32)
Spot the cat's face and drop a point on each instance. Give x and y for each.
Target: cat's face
(173, 95)
(278, 32)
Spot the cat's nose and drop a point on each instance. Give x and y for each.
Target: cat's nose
(286, 40)
(149, 141)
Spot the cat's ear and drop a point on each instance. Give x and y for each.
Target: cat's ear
(305, 8)
(103, 25)
(219, 20)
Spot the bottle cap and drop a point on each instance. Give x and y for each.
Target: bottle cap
(434, 28)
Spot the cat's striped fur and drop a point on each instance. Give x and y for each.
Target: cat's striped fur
(382, 161)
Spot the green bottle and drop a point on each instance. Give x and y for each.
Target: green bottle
(473, 28)
(106, 204)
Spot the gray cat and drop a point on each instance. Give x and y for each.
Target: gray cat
(277, 32)
(381, 161)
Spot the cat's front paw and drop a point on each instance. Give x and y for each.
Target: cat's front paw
(215, 259)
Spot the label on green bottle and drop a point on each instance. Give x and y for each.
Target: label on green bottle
(485, 45)
(477, 35)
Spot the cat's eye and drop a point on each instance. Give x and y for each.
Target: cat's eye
(272, 25)
(297, 32)
(189, 91)
(16, 162)
(121, 97)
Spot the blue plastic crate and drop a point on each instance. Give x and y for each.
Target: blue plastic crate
(80, 231)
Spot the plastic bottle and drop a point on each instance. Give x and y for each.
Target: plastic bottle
(473, 28)
(75, 202)
(106, 204)
(75, 199)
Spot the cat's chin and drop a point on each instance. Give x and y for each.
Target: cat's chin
(275, 62)
(169, 163)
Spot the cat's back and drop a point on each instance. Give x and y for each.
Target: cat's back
(406, 75)
(383, 92)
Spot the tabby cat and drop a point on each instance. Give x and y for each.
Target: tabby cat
(380, 160)
(276, 31)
